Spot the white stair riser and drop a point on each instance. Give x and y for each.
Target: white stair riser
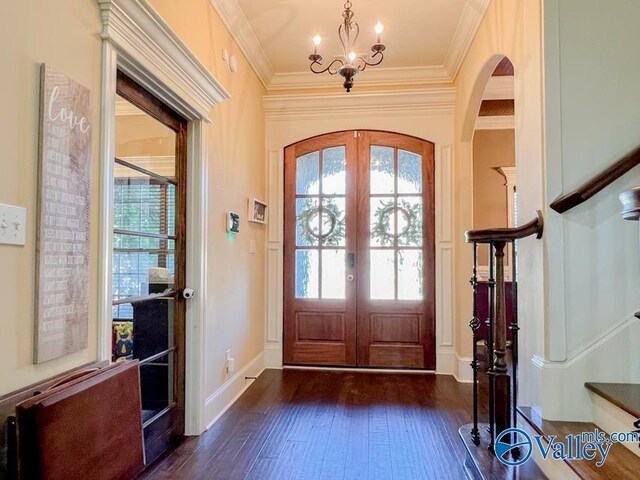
(612, 419)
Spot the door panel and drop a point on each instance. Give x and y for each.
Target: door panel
(396, 267)
(320, 307)
(149, 255)
(359, 251)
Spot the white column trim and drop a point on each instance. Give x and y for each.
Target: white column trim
(107, 153)
(139, 42)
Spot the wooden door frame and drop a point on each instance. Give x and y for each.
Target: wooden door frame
(429, 235)
(133, 33)
(172, 423)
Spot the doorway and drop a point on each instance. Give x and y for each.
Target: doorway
(359, 251)
(149, 257)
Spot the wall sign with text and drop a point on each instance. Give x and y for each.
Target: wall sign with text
(64, 192)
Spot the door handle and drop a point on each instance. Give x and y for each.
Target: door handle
(351, 260)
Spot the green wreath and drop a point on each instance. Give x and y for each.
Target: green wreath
(309, 215)
(381, 229)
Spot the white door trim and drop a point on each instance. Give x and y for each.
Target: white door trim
(139, 42)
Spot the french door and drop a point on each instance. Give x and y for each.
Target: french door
(359, 261)
(149, 255)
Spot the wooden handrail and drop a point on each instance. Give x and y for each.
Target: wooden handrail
(535, 226)
(597, 183)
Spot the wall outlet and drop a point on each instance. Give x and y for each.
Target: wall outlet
(13, 225)
(229, 361)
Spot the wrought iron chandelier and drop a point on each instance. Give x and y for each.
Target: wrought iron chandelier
(350, 63)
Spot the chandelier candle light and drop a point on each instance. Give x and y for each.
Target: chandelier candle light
(350, 63)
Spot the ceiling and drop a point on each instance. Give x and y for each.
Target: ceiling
(426, 39)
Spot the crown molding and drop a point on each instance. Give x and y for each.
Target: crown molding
(509, 174)
(147, 45)
(506, 122)
(240, 29)
(236, 22)
(374, 77)
(499, 88)
(468, 25)
(431, 101)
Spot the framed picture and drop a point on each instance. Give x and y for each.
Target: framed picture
(257, 211)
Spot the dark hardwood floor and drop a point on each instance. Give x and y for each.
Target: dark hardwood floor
(293, 424)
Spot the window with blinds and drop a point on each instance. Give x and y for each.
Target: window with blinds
(141, 206)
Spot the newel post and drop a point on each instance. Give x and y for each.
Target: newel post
(502, 380)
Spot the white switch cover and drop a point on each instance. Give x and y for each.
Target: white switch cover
(13, 225)
(253, 248)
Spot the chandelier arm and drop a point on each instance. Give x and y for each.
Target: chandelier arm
(369, 63)
(328, 68)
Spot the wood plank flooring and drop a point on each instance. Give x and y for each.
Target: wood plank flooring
(312, 425)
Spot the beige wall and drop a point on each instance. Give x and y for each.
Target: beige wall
(235, 165)
(65, 35)
(236, 169)
(491, 149)
(512, 28)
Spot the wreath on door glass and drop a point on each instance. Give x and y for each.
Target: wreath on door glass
(331, 219)
(382, 228)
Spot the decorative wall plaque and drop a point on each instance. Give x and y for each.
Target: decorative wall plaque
(64, 192)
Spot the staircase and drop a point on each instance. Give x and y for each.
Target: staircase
(615, 406)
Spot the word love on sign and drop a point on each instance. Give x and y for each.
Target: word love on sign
(62, 280)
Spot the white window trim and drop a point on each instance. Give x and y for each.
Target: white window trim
(139, 42)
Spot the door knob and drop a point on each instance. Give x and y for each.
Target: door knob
(350, 277)
(188, 293)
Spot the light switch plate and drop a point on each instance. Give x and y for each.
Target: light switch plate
(253, 247)
(13, 225)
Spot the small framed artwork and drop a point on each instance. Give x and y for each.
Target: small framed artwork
(257, 211)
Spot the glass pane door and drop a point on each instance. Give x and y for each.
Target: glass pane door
(148, 253)
(396, 304)
(320, 241)
(359, 251)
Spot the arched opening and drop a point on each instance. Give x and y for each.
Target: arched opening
(494, 157)
(359, 251)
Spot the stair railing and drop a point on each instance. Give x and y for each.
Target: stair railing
(503, 385)
(605, 178)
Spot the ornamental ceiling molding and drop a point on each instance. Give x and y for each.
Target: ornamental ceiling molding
(414, 102)
(235, 20)
(146, 43)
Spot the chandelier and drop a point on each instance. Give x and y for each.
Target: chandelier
(349, 64)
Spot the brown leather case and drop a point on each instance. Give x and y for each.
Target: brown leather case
(88, 427)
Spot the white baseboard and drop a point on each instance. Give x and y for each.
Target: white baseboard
(611, 418)
(225, 396)
(445, 361)
(464, 372)
(273, 355)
